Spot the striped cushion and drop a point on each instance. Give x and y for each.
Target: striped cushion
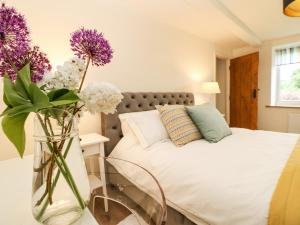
(178, 124)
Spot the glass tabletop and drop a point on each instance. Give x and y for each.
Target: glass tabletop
(127, 194)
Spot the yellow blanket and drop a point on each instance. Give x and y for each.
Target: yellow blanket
(285, 204)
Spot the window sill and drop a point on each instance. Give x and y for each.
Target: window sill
(283, 106)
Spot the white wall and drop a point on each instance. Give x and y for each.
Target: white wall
(147, 56)
(275, 119)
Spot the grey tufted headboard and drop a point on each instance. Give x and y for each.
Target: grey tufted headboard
(136, 102)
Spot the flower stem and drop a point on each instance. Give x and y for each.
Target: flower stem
(63, 168)
(41, 213)
(84, 74)
(80, 200)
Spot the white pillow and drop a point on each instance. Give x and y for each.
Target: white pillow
(126, 143)
(126, 130)
(147, 126)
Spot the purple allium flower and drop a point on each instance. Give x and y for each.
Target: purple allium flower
(6, 68)
(39, 65)
(14, 34)
(87, 43)
(15, 51)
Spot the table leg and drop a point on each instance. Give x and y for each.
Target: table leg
(103, 176)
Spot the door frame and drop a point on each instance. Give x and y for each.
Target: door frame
(227, 78)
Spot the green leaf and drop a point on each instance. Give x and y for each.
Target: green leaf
(23, 81)
(5, 111)
(25, 77)
(6, 101)
(55, 94)
(20, 88)
(69, 96)
(63, 102)
(63, 97)
(13, 128)
(11, 112)
(38, 98)
(11, 95)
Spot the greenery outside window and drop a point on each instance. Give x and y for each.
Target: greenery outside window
(287, 76)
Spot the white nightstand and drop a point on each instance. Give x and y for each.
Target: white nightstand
(93, 144)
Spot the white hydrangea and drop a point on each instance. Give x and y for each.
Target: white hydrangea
(101, 97)
(68, 75)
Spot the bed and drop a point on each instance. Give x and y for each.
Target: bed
(243, 168)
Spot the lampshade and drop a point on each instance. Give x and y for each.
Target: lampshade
(291, 7)
(210, 88)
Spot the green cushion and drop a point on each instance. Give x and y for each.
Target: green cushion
(209, 121)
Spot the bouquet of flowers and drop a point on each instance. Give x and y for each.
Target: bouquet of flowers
(30, 86)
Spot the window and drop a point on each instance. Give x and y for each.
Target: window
(286, 85)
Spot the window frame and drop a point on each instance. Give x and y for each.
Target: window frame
(275, 84)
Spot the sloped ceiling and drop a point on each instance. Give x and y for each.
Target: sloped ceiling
(227, 23)
(264, 17)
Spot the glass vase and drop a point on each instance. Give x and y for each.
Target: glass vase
(60, 188)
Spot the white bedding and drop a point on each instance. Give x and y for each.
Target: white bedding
(227, 183)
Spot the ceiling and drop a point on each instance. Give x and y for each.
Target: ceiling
(228, 23)
(264, 17)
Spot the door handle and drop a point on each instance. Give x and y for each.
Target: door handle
(254, 93)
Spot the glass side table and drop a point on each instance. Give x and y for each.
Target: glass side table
(129, 195)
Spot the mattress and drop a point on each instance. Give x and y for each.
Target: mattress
(227, 183)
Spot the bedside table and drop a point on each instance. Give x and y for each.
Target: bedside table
(93, 145)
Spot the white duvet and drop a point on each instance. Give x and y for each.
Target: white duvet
(227, 183)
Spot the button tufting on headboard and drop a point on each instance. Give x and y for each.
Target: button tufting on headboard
(136, 102)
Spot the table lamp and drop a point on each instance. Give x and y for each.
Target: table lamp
(210, 88)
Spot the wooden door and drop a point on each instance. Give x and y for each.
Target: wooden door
(243, 91)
